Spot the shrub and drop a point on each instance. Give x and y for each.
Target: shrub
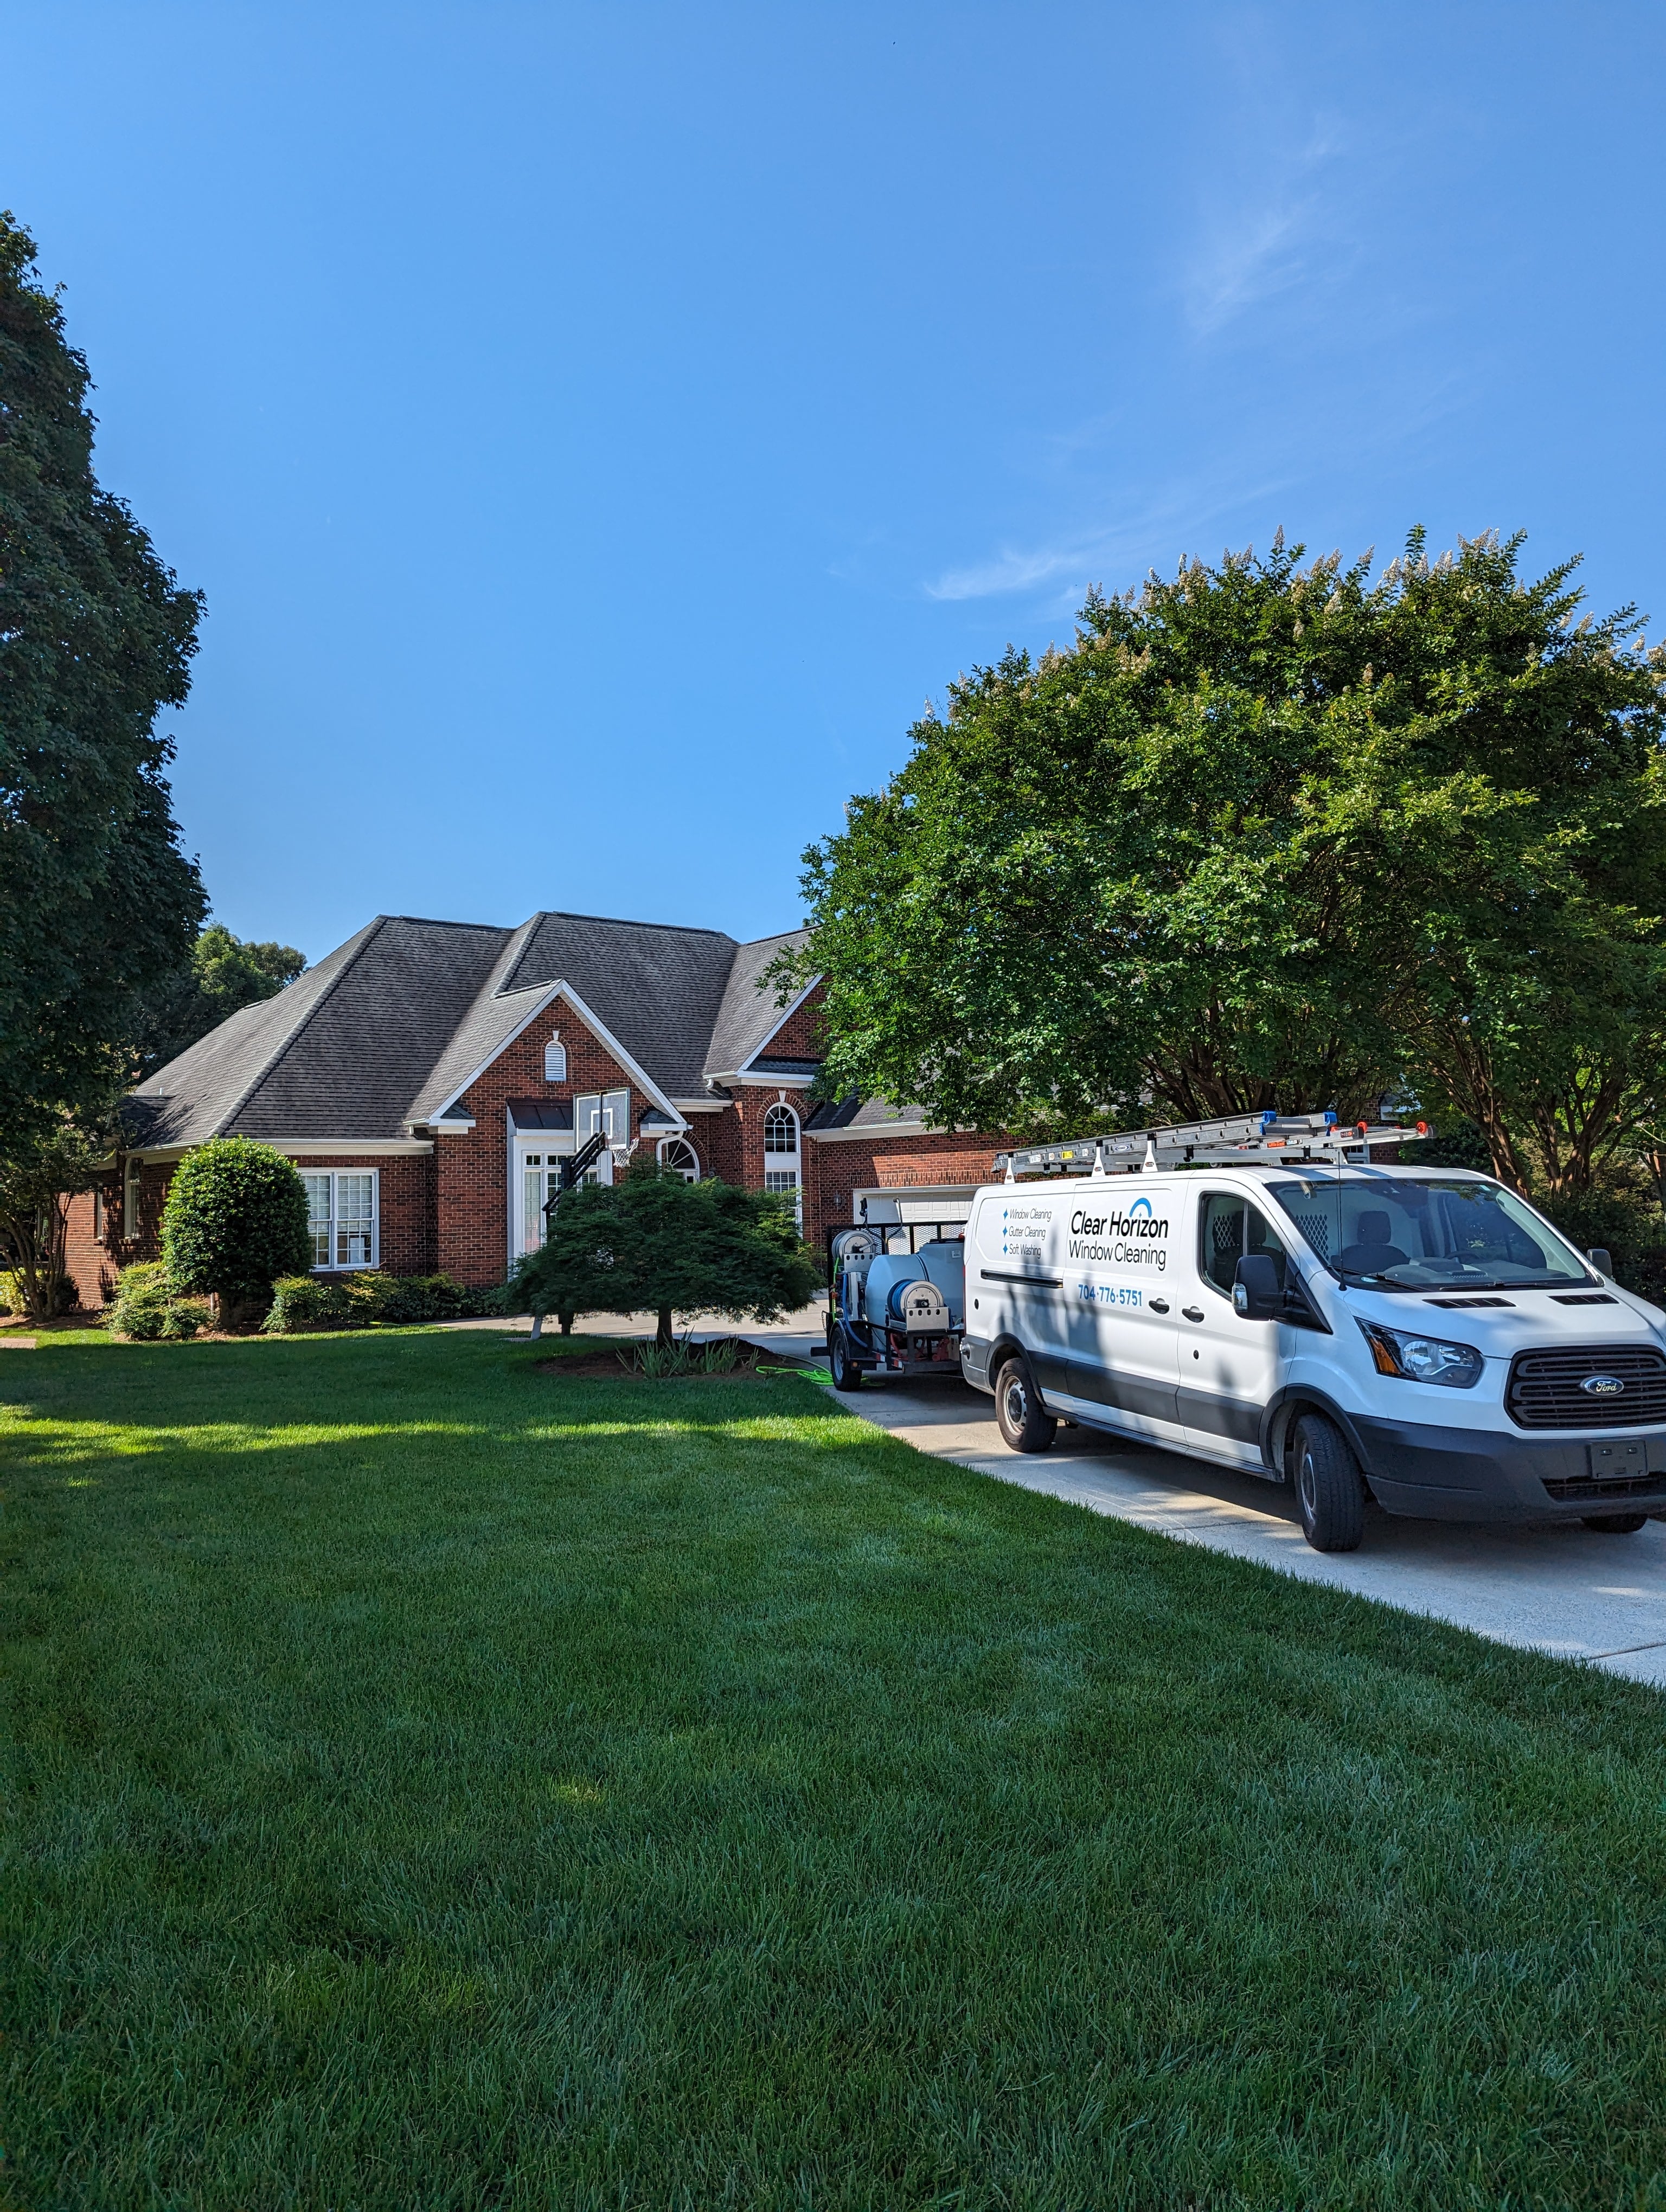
(14, 1299)
(368, 1301)
(146, 1308)
(236, 1220)
(303, 1301)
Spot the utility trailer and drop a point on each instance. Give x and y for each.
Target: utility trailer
(895, 1300)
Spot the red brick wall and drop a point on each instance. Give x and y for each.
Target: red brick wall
(406, 1198)
(802, 1035)
(89, 1258)
(833, 1172)
(473, 1179)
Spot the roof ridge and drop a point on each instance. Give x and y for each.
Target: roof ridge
(370, 931)
(444, 922)
(625, 921)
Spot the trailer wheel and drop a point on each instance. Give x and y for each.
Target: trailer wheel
(1330, 1491)
(847, 1375)
(1616, 1524)
(1024, 1421)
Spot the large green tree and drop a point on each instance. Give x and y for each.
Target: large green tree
(97, 900)
(1270, 835)
(224, 973)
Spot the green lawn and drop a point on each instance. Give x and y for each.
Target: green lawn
(434, 1785)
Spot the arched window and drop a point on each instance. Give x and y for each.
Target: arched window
(680, 1156)
(780, 1152)
(555, 1060)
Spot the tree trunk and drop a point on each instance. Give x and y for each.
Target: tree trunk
(663, 1336)
(566, 1321)
(37, 1237)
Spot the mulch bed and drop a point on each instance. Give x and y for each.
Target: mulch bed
(752, 1362)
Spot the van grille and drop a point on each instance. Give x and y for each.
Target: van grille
(1613, 1486)
(1545, 1390)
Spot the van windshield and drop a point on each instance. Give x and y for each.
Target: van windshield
(1427, 1235)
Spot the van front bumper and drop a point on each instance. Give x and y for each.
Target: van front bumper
(1468, 1474)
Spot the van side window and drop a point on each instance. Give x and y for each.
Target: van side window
(1229, 1226)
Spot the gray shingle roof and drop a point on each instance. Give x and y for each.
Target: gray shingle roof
(875, 1114)
(657, 988)
(748, 1013)
(395, 1023)
(371, 1045)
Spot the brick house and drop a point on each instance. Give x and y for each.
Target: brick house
(428, 1077)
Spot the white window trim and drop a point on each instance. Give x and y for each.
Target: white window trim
(781, 1163)
(666, 1143)
(130, 1199)
(554, 1060)
(786, 1151)
(332, 1266)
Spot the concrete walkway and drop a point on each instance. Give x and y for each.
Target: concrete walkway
(1564, 1590)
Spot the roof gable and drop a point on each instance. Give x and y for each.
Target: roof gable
(749, 1016)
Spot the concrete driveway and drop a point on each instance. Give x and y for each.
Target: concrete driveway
(1564, 1590)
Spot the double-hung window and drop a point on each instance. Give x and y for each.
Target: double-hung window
(343, 1215)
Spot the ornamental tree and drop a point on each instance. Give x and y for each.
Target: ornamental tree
(1274, 835)
(236, 1220)
(97, 900)
(655, 1243)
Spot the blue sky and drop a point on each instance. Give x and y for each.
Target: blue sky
(597, 429)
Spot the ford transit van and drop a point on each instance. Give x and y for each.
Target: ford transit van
(1418, 1335)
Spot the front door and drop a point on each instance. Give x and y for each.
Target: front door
(1230, 1367)
(538, 1179)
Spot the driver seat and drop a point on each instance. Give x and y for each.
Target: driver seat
(1373, 1252)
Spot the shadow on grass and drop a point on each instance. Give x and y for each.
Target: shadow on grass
(425, 1796)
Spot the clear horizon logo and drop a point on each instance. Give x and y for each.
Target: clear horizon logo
(1140, 1230)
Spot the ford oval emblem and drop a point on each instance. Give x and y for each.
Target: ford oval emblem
(1603, 1386)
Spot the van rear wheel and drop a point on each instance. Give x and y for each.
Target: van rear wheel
(1330, 1491)
(1024, 1421)
(1616, 1524)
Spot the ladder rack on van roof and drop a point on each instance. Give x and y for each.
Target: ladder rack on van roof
(1269, 1140)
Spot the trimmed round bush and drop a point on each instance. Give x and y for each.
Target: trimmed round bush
(236, 1220)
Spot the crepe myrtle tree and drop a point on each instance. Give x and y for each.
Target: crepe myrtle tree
(655, 1243)
(39, 1174)
(234, 1222)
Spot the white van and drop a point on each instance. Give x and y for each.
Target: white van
(1419, 1333)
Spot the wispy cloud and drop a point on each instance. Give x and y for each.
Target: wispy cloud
(1288, 235)
(1012, 569)
(1115, 550)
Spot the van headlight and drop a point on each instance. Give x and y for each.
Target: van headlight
(1422, 1358)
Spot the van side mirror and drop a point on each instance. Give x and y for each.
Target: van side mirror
(1255, 1292)
(1601, 1259)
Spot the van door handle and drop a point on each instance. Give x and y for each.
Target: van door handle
(1193, 1313)
(1158, 1305)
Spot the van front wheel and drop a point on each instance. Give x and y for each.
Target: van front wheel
(1330, 1492)
(1024, 1421)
